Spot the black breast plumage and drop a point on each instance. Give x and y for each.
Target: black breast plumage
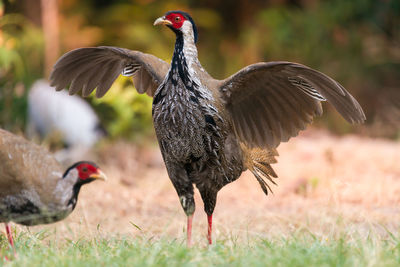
(190, 129)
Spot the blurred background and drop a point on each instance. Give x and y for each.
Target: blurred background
(323, 176)
(355, 42)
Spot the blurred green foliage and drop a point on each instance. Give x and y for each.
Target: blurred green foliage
(355, 42)
(19, 40)
(125, 111)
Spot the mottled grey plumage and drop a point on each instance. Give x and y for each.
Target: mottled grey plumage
(34, 188)
(211, 130)
(192, 130)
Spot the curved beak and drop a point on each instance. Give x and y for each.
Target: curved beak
(99, 175)
(162, 21)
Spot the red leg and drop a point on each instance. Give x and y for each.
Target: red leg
(209, 233)
(9, 235)
(189, 230)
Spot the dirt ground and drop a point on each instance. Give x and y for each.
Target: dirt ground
(326, 185)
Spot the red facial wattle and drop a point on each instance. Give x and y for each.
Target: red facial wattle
(86, 170)
(176, 19)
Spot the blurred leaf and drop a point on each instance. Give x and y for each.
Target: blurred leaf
(136, 226)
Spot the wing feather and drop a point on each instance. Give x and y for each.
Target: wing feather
(271, 102)
(113, 71)
(98, 67)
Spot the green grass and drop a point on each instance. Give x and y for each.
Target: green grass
(46, 249)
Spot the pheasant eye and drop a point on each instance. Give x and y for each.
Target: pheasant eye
(84, 169)
(177, 19)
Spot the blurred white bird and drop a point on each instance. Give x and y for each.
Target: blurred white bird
(70, 116)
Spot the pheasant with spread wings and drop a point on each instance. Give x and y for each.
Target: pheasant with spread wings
(210, 130)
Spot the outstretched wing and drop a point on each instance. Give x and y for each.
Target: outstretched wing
(271, 102)
(91, 67)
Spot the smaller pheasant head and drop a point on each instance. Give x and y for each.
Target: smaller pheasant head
(86, 172)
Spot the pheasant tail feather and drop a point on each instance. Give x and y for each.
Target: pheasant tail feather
(258, 162)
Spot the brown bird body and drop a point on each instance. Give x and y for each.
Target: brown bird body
(209, 130)
(23, 185)
(34, 188)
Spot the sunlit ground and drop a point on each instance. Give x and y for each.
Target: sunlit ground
(337, 204)
(327, 185)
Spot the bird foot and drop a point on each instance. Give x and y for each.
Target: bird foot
(11, 241)
(209, 232)
(8, 259)
(189, 231)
